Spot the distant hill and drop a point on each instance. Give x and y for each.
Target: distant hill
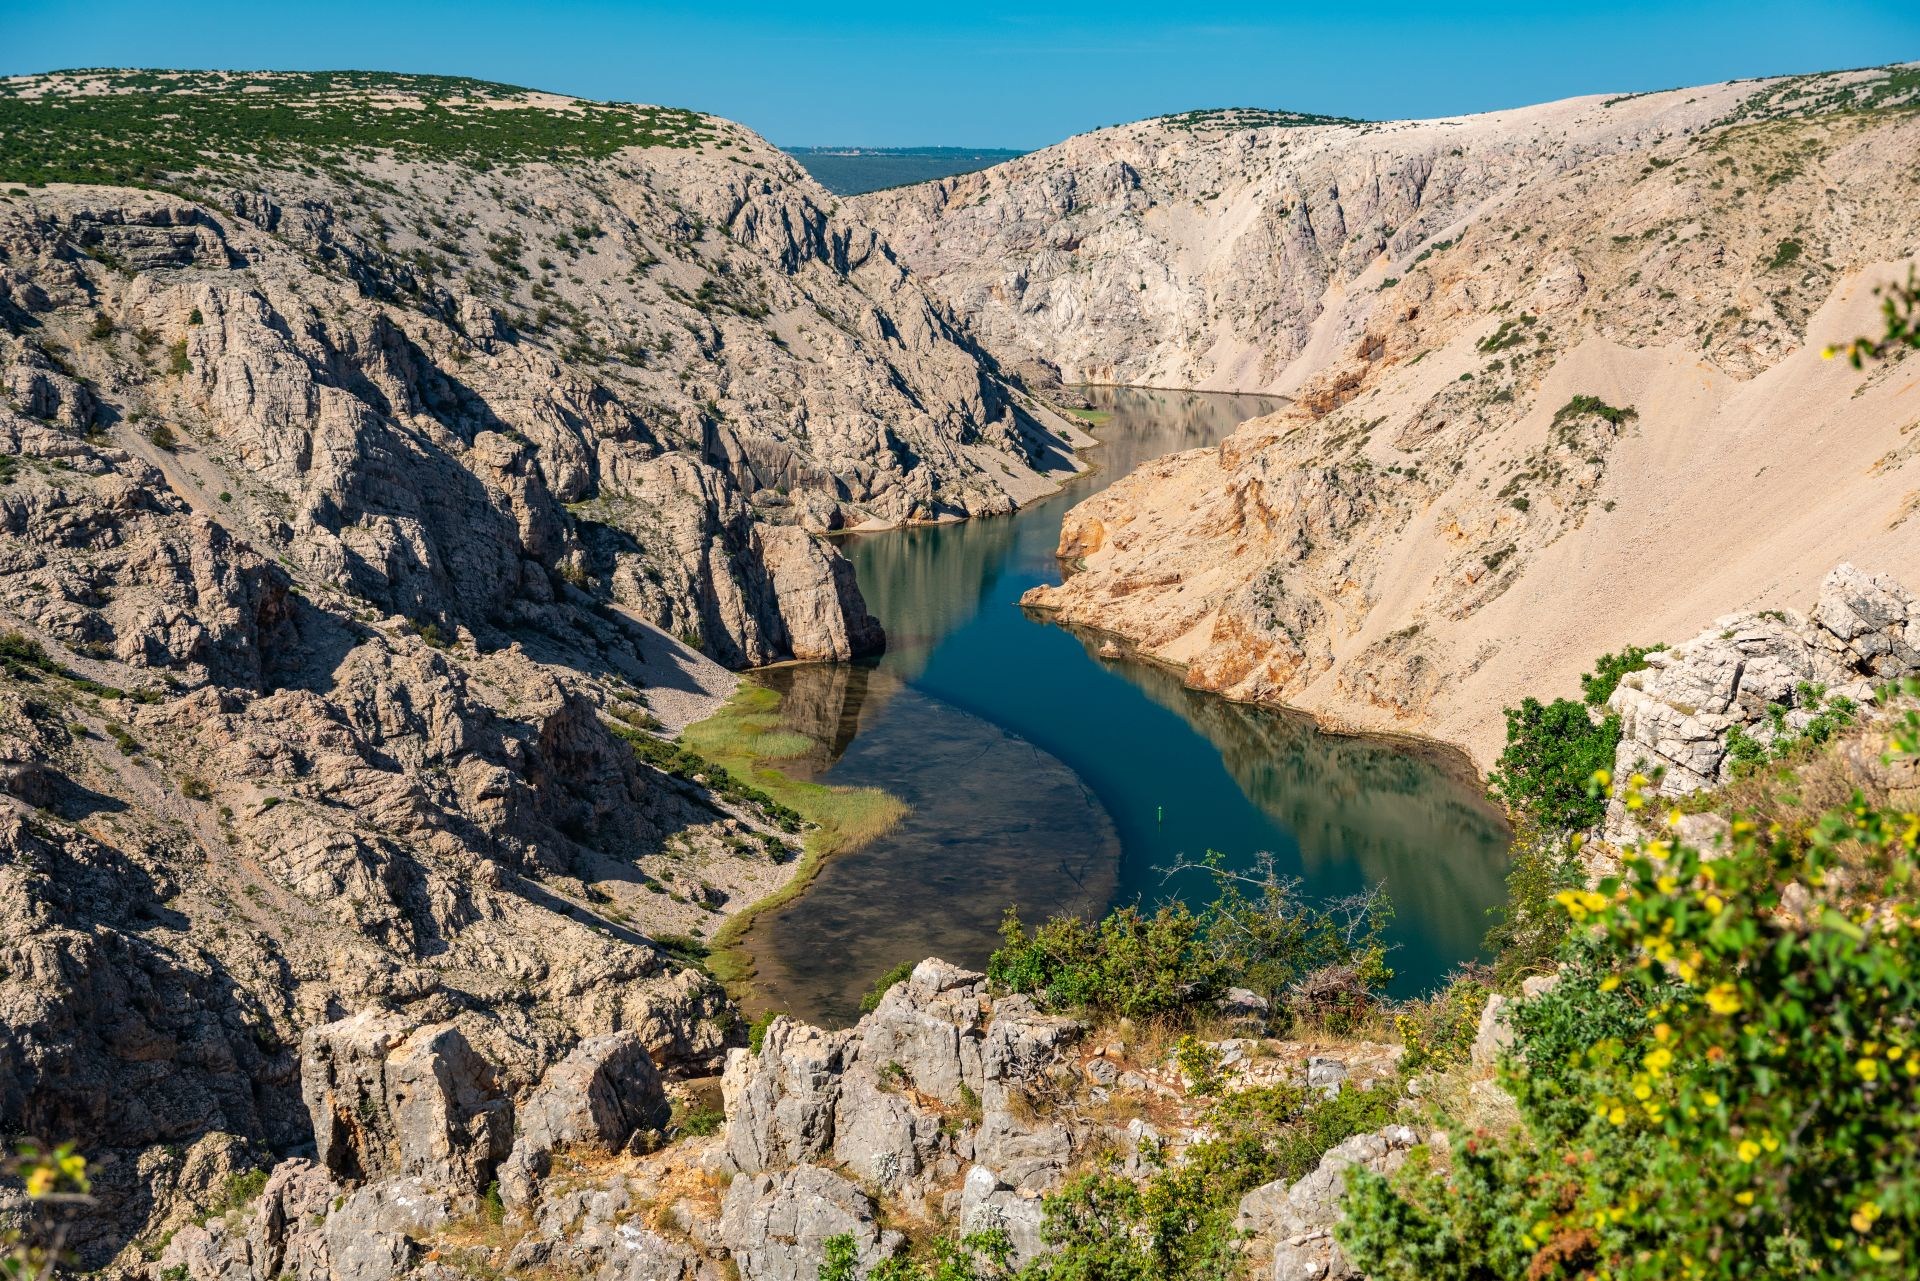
(849, 171)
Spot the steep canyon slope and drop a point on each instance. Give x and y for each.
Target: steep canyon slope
(377, 456)
(1555, 375)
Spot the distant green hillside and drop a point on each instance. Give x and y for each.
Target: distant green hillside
(139, 127)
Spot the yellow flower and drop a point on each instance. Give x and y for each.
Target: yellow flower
(1769, 1141)
(1723, 998)
(1869, 1069)
(1714, 903)
(1748, 1150)
(1617, 1115)
(1744, 1198)
(1642, 1091)
(1709, 1098)
(1603, 777)
(1658, 1059)
(1663, 1032)
(1609, 983)
(39, 1181)
(1863, 1217)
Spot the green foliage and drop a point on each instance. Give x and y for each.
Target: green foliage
(1900, 309)
(1723, 1083)
(1176, 962)
(177, 360)
(757, 1030)
(1585, 406)
(1597, 686)
(1544, 774)
(1437, 1032)
(1129, 963)
(884, 984)
(143, 127)
(671, 758)
(161, 436)
(1177, 1225)
(1831, 715)
(1527, 936)
(703, 1121)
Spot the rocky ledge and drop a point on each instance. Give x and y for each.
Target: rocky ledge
(947, 1107)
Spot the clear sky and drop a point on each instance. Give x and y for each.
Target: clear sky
(985, 72)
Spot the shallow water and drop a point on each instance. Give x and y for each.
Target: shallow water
(1044, 776)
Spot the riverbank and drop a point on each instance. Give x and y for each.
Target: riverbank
(747, 738)
(1042, 775)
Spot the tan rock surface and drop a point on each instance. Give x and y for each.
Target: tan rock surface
(1436, 526)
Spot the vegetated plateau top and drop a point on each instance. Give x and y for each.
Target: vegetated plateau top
(136, 127)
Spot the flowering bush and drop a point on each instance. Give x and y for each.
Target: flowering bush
(56, 1185)
(1722, 1083)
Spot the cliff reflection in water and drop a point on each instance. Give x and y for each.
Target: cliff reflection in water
(1401, 815)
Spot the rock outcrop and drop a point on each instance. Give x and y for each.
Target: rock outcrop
(1298, 1219)
(1753, 683)
(1554, 377)
(947, 1109)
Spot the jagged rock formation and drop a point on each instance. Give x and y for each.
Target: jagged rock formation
(354, 475)
(1555, 378)
(1755, 682)
(947, 1106)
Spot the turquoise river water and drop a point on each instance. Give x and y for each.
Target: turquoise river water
(1044, 776)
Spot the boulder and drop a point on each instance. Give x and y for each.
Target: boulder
(604, 1094)
(776, 1225)
(387, 1098)
(988, 1204)
(1298, 1218)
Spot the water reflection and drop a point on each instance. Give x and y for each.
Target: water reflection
(1398, 814)
(1043, 776)
(993, 820)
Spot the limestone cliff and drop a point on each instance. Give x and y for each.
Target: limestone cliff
(1555, 377)
(365, 443)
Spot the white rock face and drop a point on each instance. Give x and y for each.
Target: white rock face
(1454, 512)
(1299, 1218)
(1762, 675)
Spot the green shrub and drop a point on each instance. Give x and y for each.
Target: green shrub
(757, 1030)
(884, 984)
(1177, 962)
(177, 361)
(1597, 686)
(1526, 937)
(1544, 774)
(161, 437)
(1722, 1083)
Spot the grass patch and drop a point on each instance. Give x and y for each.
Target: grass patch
(1093, 417)
(746, 738)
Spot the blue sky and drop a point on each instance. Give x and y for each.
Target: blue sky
(987, 73)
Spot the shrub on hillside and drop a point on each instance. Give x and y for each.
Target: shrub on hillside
(1552, 752)
(1258, 933)
(1725, 1082)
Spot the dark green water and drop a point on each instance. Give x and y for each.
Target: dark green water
(1045, 776)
